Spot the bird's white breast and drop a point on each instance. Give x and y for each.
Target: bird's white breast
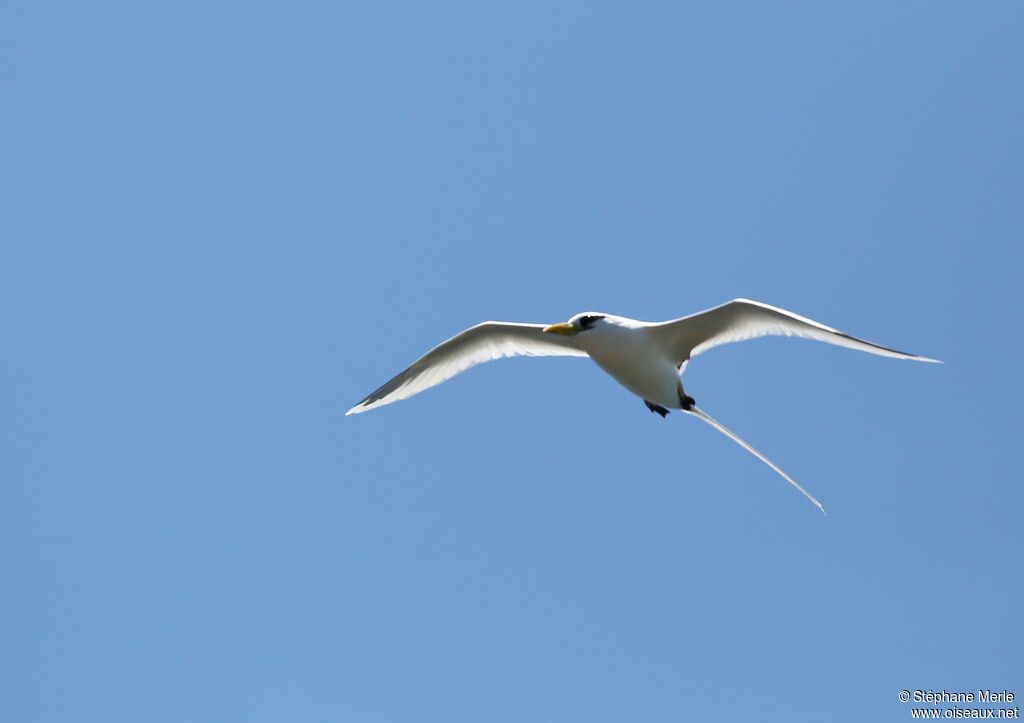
(633, 358)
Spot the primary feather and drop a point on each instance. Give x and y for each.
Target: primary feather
(481, 343)
(742, 319)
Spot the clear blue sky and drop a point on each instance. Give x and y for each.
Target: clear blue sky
(223, 224)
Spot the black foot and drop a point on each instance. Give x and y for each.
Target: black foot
(686, 401)
(657, 408)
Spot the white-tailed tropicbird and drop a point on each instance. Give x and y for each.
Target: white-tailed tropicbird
(648, 358)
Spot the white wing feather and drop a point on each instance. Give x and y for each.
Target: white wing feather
(742, 319)
(481, 343)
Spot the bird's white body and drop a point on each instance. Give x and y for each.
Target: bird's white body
(629, 351)
(647, 358)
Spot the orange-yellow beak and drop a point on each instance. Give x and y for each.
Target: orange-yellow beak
(565, 329)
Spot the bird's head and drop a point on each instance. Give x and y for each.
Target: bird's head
(577, 324)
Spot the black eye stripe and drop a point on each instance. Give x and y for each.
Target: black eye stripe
(588, 321)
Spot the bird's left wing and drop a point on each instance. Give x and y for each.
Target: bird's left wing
(742, 319)
(481, 343)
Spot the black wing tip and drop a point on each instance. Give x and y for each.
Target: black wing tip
(903, 354)
(360, 406)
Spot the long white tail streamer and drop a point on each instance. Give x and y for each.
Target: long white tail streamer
(700, 414)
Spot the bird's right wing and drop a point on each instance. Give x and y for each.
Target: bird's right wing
(481, 343)
(742, 319)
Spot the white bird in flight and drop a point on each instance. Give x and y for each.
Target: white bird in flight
(647, 358)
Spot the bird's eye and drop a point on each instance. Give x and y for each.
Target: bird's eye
(588, 321)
